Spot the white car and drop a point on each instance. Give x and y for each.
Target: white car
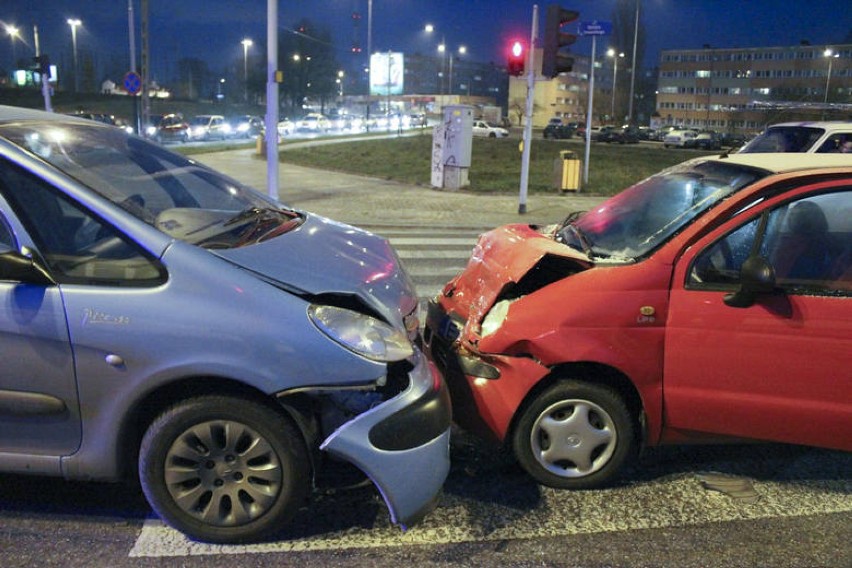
(285, 127)
(488, 130)
(812, 137)
(679, 138)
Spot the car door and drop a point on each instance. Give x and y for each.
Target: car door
(780, 368)
(65, 345)
(39, 410)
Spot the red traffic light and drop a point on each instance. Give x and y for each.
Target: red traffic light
(516, 59)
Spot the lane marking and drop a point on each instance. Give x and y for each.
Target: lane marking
(676, 502)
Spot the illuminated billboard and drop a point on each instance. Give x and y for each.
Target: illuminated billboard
(386, 73)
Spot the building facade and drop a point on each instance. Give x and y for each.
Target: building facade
(742, 90)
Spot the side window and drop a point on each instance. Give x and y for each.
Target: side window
(808, 242)
(76, 246)
(7, 240)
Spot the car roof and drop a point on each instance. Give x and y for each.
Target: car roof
(785, 161)
(824, 124)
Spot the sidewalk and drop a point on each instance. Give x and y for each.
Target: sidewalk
(359, 200)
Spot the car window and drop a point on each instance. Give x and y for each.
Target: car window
(784, 139)
(808, 242)
(7, 240)
(76, 246)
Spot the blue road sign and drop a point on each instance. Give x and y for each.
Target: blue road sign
(595, 27)
(132, 82)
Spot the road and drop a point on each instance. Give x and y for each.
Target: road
(760, 505)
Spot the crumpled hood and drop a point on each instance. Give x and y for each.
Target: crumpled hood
(326, 257)
(502, 257)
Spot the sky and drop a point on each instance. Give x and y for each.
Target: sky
(212, 29)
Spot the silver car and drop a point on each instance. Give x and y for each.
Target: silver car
(159, 319)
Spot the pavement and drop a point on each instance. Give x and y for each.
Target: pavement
(360, 200)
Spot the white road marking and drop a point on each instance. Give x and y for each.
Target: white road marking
(674, 502)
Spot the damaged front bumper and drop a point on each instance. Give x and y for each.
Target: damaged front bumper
(403, 444)
(485, 389)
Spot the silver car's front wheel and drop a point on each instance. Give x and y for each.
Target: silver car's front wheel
(575, 435)
(224, 469)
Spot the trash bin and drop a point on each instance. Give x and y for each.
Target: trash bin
(566, 171)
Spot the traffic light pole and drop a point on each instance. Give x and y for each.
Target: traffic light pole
(528, 113)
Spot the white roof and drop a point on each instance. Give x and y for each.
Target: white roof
(787, 161)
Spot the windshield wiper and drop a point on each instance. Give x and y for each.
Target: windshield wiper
(250, 213)
(581, 238)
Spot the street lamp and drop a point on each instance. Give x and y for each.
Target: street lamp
(13, 33)
(462, 51)
(611, 53)
(831, 57)
(74, 22)
(246, 44)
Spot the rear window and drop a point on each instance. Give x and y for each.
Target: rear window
(784, 139)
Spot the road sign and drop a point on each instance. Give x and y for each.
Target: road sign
(595, 28)
(132, 82)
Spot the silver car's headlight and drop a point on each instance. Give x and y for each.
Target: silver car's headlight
(362, 334)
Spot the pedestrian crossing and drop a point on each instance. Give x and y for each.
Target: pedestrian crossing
(431, 255)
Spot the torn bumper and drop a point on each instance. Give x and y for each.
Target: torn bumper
(486, 390)
(403, 444)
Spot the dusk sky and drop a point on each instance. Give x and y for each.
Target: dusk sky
(212, 29)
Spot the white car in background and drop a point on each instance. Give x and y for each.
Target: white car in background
(488, 130)
(811, 137)
(679, 138)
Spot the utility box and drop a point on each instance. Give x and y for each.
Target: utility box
(566, 171)
(452, 147)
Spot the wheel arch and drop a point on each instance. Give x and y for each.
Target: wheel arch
(154, 403)
(588, 372)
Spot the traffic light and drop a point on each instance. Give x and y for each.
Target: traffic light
(516, 59)
(555, 61)
(42, 64)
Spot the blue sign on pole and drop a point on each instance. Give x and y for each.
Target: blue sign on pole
(132, 82)
(595, 27)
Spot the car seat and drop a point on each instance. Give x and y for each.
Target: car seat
(806, 251)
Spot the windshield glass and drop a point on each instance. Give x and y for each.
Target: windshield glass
(634, 222)
(166, 190)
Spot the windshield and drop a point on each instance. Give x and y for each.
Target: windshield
(166, 190)
(637, 220)
(784, 139)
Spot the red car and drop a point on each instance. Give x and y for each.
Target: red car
(710, 302)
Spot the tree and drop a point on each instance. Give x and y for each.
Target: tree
(193, 76)
(306, 56)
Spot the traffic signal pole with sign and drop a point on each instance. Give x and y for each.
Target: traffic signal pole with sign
(593, 29)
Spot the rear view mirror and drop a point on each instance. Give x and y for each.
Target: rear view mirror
(756, 277)
(15, 266)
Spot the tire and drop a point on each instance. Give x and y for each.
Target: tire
(204, 456)
(597, 430)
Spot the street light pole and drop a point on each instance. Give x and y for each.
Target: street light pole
(831, 57)
(611, 53)
(246, 44)
(74, 22)
(13, 33)
(633, 72)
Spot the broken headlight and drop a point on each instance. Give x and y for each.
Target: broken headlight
(365, 335)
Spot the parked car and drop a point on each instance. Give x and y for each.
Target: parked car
(679, 138)
(709, 302)
(246, 126)
(209, 127)
(164, 322)
(168, 128)
(660, 134)
(418, 119)
(815, 137)
(618, 135)
(285, 127)
(314, 122)
(488, 130)
(706, 140)
(559, 131)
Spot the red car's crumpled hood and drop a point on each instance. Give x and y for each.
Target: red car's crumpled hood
(501, 257)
